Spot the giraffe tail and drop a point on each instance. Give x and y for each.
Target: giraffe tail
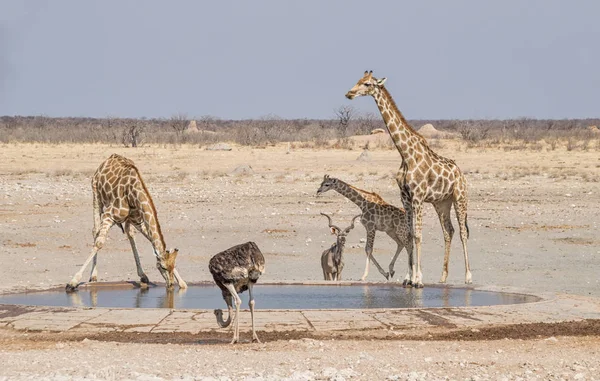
(121, 226)
(467, 225)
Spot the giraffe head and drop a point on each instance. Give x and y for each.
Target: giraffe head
(340, 233)
(327, 184)
(367, 85)
(166, 266)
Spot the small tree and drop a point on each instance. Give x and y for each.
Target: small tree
(208, 122)
(133, 134)
(179, 123)
(369, 121)
(344, 115)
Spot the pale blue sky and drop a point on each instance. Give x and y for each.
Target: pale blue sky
(245, 59)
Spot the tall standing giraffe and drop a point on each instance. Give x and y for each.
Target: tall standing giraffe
(121, 197)
(378, 215)
(424, 176)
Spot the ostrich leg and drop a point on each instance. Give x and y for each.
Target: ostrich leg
(251, 304)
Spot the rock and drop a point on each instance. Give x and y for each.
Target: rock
(192, 126)
(428, 131)
(219, 147)
(377, 131)
(241, 170)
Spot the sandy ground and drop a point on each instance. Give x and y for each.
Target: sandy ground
(533, 219)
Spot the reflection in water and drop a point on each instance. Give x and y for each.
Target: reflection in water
(446, 297)
(168, 300)
(417, 296)
(468, 297)
(390, 295)
(139, 297)
(77, 300)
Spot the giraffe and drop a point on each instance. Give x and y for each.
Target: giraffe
(424, 176)
(121, 197)
(378, 215)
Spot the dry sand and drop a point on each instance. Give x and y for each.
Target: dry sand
(533, 218)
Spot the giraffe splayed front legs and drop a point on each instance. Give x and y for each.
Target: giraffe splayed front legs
(120, 196)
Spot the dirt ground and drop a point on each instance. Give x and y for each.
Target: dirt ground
(533, 218)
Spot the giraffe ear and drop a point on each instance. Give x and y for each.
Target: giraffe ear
(381, 81)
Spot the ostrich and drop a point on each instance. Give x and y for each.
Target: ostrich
(236, 270)
(331, 259)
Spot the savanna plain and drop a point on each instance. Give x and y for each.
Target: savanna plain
(533, 218)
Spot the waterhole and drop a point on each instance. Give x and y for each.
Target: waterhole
(267, 296)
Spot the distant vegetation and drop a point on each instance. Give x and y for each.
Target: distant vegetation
(572, 133)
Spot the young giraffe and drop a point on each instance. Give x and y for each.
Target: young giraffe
(424, 176)
(121, 197)
(378, 215)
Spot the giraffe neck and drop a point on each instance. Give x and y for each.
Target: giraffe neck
(150, 218)
(350, 193)
(405, 138)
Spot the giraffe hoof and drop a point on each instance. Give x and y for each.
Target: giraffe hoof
(70, 288)
(256, 340)
(93, 279)
(407, 283)
(418, 285)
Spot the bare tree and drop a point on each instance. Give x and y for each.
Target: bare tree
(179, 123)
(208, 122)
(133, 134)
(472, 131)
(369, 121)
(344, 115)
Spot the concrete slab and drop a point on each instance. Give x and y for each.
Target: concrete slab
(326, 320)
(134, 317)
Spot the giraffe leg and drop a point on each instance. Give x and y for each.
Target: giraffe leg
(97, 224)
(460, 206)
(443, 211)
(179, 279)
(236, 318)
(393, 262)
(107, 223)
(251, 305)
(94, 272)
(399, 247)
(369, 251)
(417, 211)
(411, 276)
(130, 231)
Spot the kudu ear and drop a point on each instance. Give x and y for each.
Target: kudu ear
(334, 230)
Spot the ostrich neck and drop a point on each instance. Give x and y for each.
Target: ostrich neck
(224, 323)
